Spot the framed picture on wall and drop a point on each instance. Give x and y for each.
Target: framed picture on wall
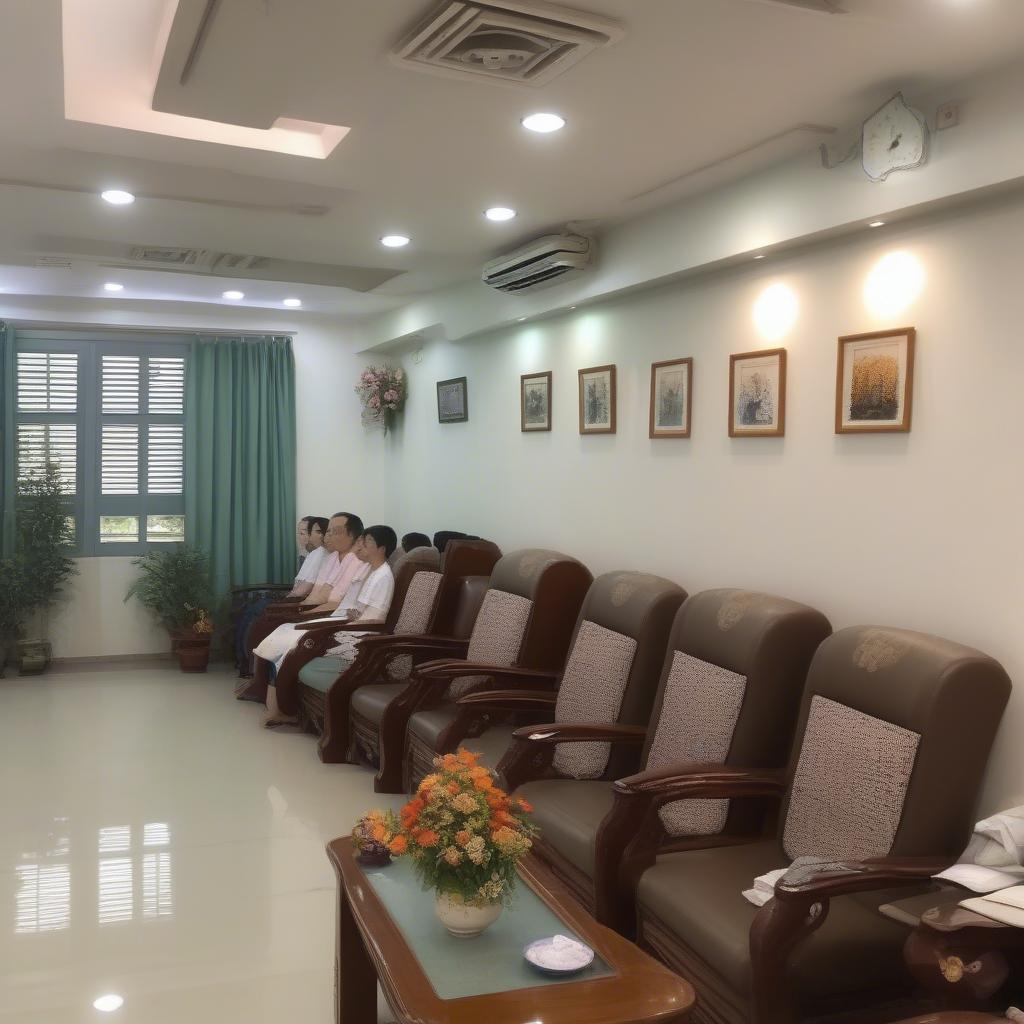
(597, 400)
(452, 401)
(875, 382)
(535, 401)
(671, 387)
(757, 393)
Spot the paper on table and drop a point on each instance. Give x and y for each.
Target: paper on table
(1005, 906)
(994, 857)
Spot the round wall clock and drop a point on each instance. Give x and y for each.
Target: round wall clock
(895, 138)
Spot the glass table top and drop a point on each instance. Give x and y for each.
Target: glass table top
(492, 962)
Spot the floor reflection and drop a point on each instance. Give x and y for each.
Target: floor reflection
(133, 878)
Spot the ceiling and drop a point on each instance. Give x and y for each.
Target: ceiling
(694, 92)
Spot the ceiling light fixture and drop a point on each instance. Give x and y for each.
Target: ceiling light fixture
(499, 213)
(117, 197)
(108, 1003)
(877, 224)
(113, 286)
(520, 319)
(234, 296)
(293, 303)
(759, 256)
(544, 123)
(394, 241)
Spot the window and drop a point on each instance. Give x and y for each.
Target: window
(111, 415)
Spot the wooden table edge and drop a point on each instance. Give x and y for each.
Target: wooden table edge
(642, 982)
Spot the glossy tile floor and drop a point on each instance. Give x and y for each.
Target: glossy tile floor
(156, 844)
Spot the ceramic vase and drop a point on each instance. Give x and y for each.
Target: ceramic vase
(465, 920)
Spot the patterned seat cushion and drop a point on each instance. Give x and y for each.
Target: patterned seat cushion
(847, 796)
(699, 712)
(497, 636)
(591, 690)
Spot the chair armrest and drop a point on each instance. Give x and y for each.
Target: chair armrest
(341, 626)
(822, 881)
(581, 732)
(509, 700)
(693, 779)
(444, 670)
(423, 641)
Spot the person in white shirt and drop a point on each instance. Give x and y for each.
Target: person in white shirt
(309, 534)
(368, 600)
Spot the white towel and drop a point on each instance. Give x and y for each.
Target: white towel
(994, 858)
(764, 887)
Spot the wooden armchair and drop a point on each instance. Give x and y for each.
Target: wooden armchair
(525, 622)
(728, 688)
(894, 733)
(427, 591)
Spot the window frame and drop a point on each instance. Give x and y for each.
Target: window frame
(89, 503)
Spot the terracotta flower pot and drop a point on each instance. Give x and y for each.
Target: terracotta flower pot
(192, 649)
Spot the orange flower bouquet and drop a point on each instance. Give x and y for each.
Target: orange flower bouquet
(464, 836)
(373, 834)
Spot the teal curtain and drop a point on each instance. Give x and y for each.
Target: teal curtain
(7, 402)
(240, 458)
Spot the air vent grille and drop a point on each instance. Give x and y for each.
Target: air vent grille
(523, 43)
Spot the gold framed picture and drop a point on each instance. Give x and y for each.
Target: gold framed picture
(757, 393)
(597, 400)
(671, 390)
(875, 382)
(535, 401)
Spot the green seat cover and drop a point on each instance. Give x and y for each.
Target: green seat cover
(320, 673)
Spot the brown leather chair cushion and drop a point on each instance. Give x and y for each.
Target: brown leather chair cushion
(568, 813)
(699, 895)
(369, 702)
(427, 725)
(492, 744)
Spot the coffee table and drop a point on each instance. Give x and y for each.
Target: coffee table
(388, 932)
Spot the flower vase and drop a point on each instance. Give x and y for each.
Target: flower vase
(465, 920)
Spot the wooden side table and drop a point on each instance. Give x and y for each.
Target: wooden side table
(963, 958)
(412, 957)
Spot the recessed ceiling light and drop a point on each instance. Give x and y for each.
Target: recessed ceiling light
(394, 241)
(543, 122)
(294, 303)
(113, 286)
(877, 224)
(108, 1003)
(234, 295)
(572, 307)
(117, 197)
(520, 319)
(500, 213)
(759, 256)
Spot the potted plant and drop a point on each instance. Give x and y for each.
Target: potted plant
(465, 837)
(373, 834)
(174, 584)
(41, 566)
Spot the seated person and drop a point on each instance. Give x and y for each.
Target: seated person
(368, 600)
(410, 542)
(309, 534)
(332, 583)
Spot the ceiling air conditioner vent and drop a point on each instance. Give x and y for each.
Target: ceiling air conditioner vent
(54, 262)
(542, 261)
(201, 259)
(527, 43)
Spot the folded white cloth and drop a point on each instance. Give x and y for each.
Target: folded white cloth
(994, 858)
(1005, 906)
(763, 888)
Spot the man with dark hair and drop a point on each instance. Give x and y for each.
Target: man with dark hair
(411, 541)
(368, 600)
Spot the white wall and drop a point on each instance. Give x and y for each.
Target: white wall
(918, 530)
